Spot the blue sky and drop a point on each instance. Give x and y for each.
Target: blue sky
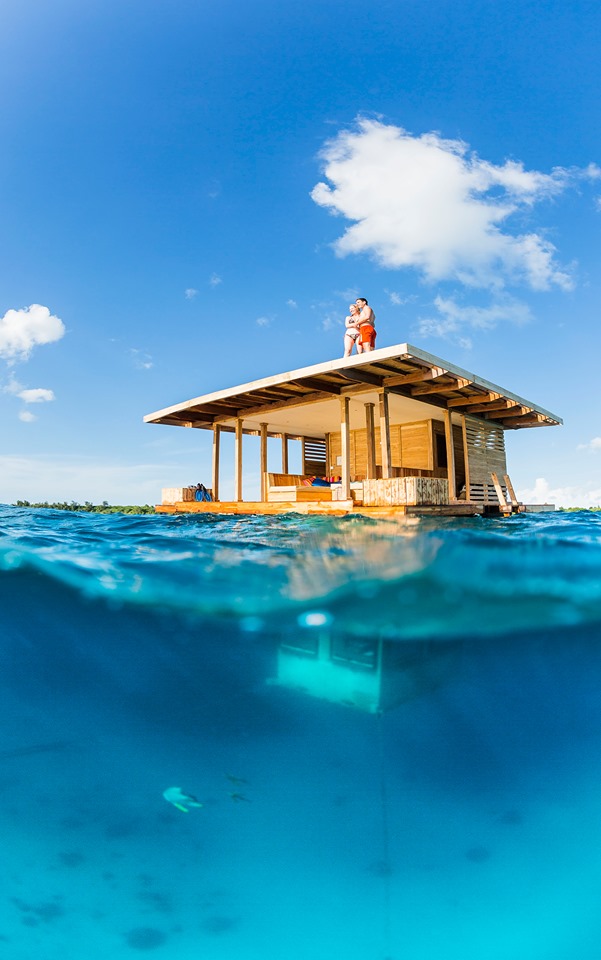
(192, 192)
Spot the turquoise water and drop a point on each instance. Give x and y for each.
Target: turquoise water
(394, 730)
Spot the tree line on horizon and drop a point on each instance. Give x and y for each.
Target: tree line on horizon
(87, 507)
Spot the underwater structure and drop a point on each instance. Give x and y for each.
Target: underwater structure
(386, 433)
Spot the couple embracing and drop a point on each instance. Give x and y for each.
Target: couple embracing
(360, 328)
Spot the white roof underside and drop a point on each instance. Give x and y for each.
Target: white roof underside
(306, 402)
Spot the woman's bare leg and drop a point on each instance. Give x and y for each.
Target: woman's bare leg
(348, 345)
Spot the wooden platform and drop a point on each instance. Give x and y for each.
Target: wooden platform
(325, 507)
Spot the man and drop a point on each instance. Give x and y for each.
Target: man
(367, 325)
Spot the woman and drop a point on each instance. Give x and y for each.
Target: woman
(351, 334)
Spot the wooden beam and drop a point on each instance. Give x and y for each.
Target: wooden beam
(496, 405)
(511, 491)
(284, 453)
(516, 411)
(498, 490)
(458, 384)
(527, 420)
(429, 373)
(361, 376)
(385, 435)
(345, 442)
(448, 431)
(370, 435)
(474, 399)
(312, 383)
(215, 471)
(329, 470)
(267, 408)
(264, 462)
(185, 421)
(212, 409)
(238, 462)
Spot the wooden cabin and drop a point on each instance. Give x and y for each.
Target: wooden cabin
(394, 431)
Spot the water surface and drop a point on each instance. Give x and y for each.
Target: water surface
(427, 790)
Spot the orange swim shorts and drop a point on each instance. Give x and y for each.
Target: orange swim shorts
(367, 334)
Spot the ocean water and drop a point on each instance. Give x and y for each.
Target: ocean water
(394, 729)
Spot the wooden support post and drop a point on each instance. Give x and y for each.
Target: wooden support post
(345, 443)
(514, 500)
(448, 430)
(263, 462)
(238, 462)
(215, 472)
(498, 490)
(370, 435)
(466, 459)
(285, 453)
(385, 435)
(329, 470)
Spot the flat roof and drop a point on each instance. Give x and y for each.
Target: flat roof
(305, 402)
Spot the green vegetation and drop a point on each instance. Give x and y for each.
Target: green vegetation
(577, 509)
(86, 507)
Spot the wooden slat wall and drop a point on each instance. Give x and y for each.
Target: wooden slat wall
(486, 450)
(410, 445)
(416, 445)
(314, 457)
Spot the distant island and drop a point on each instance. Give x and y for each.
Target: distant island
(87, 507)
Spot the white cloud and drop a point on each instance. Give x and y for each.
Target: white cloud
(141, 360)
(397, 300)
(37, 395)
(349, 295)
(583, 495)
(483, 318)
(330, 321)
(27, 417)
(190, 293)
(292, 303)
(430, 204)
(263, 321)
(215, 280)
(593, 445)
(22, 330)
(452, 316)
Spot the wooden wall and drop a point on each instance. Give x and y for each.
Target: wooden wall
(416, 449)
(486, 450)
(411, 446)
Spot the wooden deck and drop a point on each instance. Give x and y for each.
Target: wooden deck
(331, 508)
